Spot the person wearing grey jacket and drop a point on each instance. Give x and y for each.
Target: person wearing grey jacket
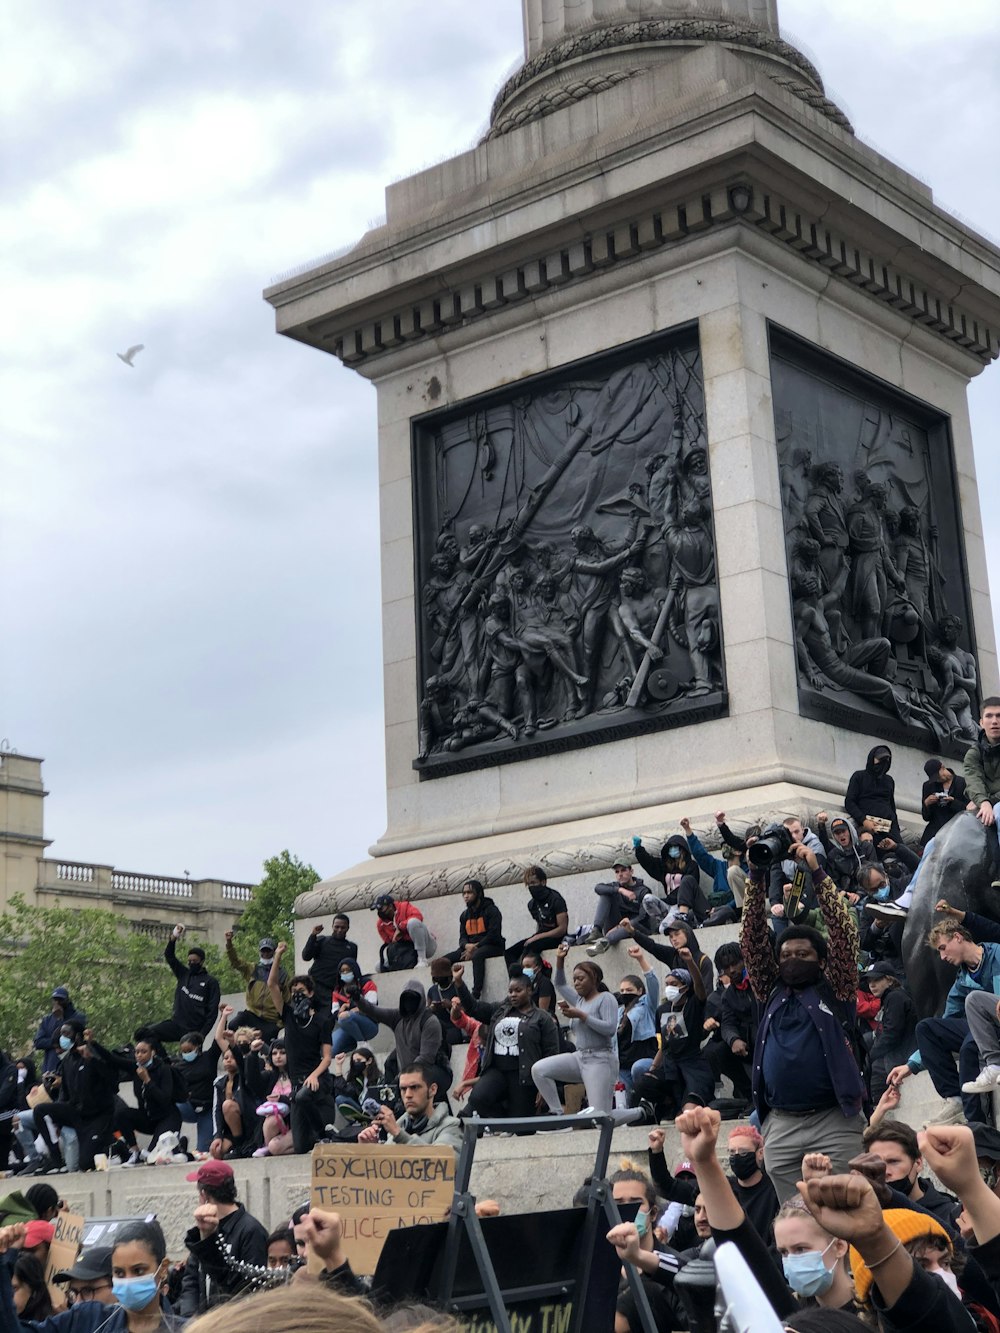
(423, 1123)
(418, 1034)
(594, 1028)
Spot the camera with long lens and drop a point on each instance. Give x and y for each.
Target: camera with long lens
(773, 845)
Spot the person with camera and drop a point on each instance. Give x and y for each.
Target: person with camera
(196, 995)
(944, 795)
(807, 1084)
(422, 1122)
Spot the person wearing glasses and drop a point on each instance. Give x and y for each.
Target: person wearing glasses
(90, 1277)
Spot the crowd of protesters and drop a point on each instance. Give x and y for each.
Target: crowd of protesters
(807, 1018)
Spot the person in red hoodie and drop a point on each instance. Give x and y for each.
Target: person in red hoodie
(406, 941)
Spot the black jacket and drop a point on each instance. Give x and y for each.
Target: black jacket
(897, 1025)
(196, 997)
(740, 1016)
(666, 953)
(687, 892)
(154, 1099)
(88, 1085)
(199, 1075)
(936, 814)
(539, 1037)
(873, 792)
(326, 955)
(209, 1275)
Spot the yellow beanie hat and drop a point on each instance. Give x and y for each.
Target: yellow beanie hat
(907, 1224)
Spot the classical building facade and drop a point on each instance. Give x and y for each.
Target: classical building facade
(151, 903)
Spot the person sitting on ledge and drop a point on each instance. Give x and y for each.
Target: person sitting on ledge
(406, 941)
(548, 911)
(480, 933)
(423, 1123)
(676, 870)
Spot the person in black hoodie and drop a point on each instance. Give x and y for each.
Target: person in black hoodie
(198, 1069)
(84, 1102)
(47, 1036)
(895, 1035)
(155, 1111)
(196, 995)
(676, 870)
(846, 853)
(480, 934)
(871, 794)
(679, 1071)
(419, 1039)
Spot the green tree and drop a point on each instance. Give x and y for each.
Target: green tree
(115, 975)
(271, 910)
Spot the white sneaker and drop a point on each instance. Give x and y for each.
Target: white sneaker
(952, 1113)
(598, 947)
(988, 1081)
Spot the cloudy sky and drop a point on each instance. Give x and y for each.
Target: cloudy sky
(189, 548)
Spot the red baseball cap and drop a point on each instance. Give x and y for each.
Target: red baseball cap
(211, 1173)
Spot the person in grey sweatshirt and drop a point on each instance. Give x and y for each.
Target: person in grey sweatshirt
(594, 1028)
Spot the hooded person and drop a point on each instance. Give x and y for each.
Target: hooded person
(871, 795)
(480, 933)
(352, 1026)
(846, 853)
(406, 941)
(679, 936)
(47, 1036)
(418, 1035)
(675, 868)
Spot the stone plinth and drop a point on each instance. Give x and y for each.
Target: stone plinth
(706, 189)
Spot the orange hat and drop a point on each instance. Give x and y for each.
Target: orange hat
(907, 1224)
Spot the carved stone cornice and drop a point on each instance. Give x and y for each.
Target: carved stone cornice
(745, 200)
(644, 36)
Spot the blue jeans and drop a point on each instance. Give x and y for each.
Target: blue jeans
(69, 1142)
(351, 1029)
(202, 1120)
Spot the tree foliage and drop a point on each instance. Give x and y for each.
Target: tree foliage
(271, 910)
(115, 975)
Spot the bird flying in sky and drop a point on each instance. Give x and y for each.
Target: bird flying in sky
(129, 356)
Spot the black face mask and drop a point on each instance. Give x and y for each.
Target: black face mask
(538, 892)
(195, 968)
(301, 1009)
(624, 997)
(743, 1164)
(800, 972)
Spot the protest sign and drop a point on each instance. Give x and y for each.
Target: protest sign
(65, 1247)
(379, 1188)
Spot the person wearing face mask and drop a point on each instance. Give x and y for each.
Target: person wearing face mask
(259, 1008)
(807, 1085)
(542, 990)
(932, 1250)
(84, 1105)
(325, 953)
(678, 1073)
(637, 998)
(812, 1259)
(358, 1079)
(308, 1042)
(197, 1069)
(139, 1271)
(676, 870)
(896, 1144)
(418, 1034)
(352, 1026)
(750, 1182)
(47, 1036)
(406, 941)
(548, 911)
(871, 794)
(440, 994)
(196, 995)
(155, 1111)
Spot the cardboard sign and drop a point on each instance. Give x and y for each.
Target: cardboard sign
(63, 1251)
(379, 1187)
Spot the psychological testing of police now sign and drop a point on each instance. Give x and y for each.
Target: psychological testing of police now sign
(379, 1188)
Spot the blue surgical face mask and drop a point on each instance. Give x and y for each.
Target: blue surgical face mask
(529, 972)
(346, 978)
(642, 1222)
(190, 1055)
(674, 853)
(807, 1274)
(135, 1293)
(66, 1043)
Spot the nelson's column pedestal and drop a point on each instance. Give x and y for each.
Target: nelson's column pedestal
(678, 500)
